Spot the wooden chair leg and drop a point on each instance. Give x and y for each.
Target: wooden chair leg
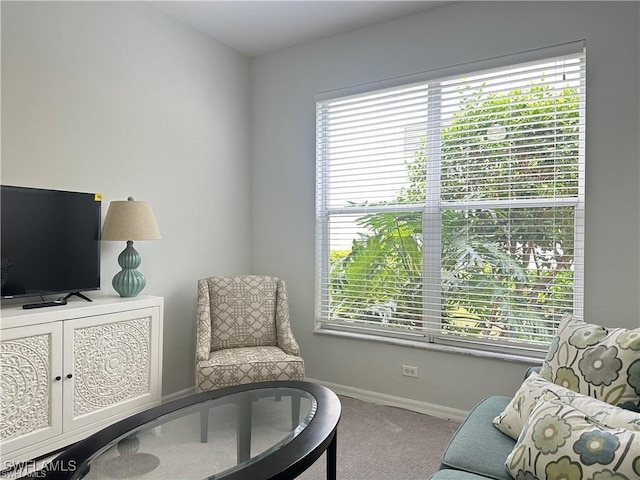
(295, 411)
(245, 412)
(204, 425)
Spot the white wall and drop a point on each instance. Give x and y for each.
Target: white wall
(118, 98)
(283, 86)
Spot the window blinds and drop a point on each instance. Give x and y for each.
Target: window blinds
(451, 209)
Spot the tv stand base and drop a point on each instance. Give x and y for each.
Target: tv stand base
(77, 294)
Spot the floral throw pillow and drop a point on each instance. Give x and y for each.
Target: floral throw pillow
(562, 442)
(513, 418)
(600, 362)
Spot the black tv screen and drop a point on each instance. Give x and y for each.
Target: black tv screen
(50, 241)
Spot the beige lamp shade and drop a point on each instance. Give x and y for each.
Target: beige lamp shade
(130, 220)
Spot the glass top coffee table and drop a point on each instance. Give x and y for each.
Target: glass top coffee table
(266, 430)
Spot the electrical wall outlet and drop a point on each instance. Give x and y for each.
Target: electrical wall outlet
(410, 371)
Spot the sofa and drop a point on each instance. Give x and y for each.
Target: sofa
(478, 450)
(498, 439)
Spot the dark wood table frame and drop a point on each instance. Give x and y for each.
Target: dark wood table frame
(287, 462)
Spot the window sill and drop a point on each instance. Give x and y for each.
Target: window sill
(403, 342)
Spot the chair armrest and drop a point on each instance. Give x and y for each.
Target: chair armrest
(203, 322)
(286, 340)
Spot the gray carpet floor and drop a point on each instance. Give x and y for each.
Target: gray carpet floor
(377, 442)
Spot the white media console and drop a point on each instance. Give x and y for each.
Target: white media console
(69, 371)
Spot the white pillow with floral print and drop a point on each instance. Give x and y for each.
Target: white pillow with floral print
(560, 441)
(600, 362)
(515, 415)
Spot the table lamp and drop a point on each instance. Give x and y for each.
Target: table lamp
(128, 221)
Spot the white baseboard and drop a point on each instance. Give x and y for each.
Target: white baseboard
(176, 395)
(431, 409)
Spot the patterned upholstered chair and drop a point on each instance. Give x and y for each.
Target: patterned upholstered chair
(243, 333)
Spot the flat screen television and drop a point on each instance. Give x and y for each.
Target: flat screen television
(49, 241)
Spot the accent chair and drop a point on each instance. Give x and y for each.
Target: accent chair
(243, 333)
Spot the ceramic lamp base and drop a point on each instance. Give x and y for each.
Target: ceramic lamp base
(129, 282)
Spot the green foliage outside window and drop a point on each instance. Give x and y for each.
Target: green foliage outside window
(504, 273)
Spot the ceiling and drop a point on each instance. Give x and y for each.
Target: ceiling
(258, 27)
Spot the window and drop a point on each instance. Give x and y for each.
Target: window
(450, 205)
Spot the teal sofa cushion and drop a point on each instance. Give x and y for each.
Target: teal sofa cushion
(478, 447)
(447, 474)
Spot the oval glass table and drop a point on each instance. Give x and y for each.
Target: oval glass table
(267, 430)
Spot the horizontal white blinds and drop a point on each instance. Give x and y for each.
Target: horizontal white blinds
(452, 208)
(367, 142)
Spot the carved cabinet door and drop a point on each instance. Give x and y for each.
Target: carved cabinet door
(30, 384)
(111, 360)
